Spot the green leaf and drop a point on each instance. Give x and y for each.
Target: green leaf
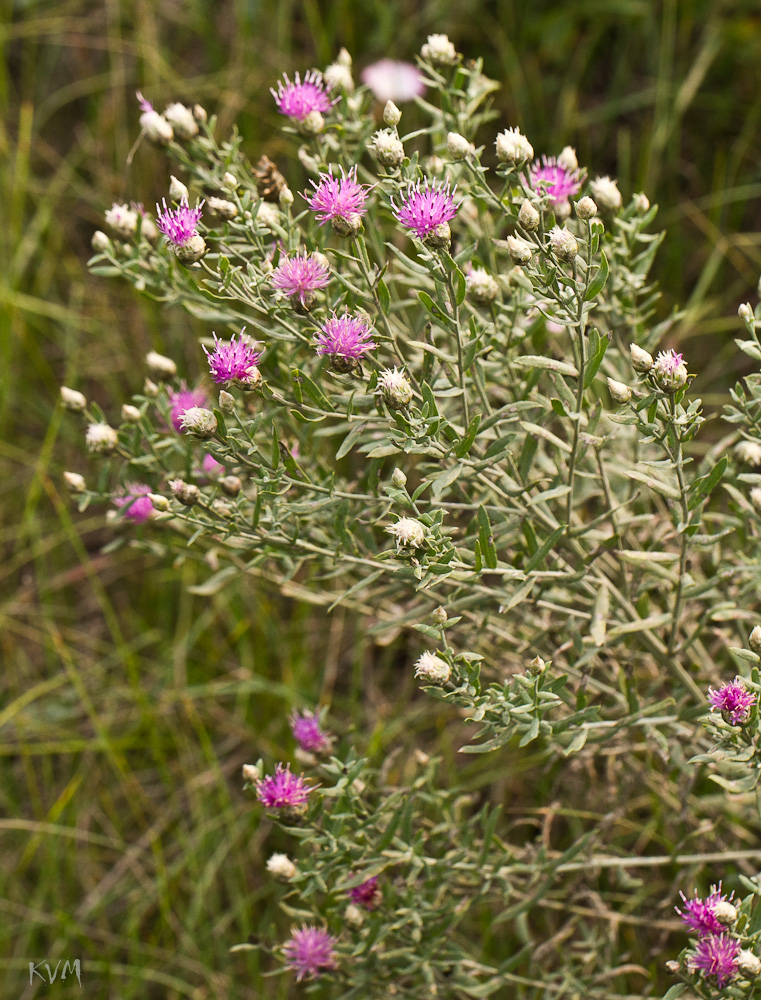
(486, 538)
(383, 297)
(548, 364)
(441, 482)
(597, 283)
(702, 488)
(544, 549)
(465, 444)
(350, 440)
(595, 361)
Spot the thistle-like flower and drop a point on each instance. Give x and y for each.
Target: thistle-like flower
(669, 371)
(426, 207)
(711, 915)
(560, 182)
(339, 201)
(298, 98)
(234, 361)
(283, 790)
(179, 226)
(513, 147)
(281, 866)
(367, 894)
(563, 242)
(345, 339)
(392, 80)
(480, 285)
(395, 388)
(309, 951)
(182, 400)
(407, 531)
(137, 506)
(199, 422)
(606, 194)
(433, 668)
(101, 438)
(122, 219)
(305, 727)
(300, 277)
(155, 126)
(716, 957)
(734, 701)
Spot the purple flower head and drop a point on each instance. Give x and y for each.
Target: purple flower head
(234, 360)
(733, 700)
(337, 199)
(301, 276)
(183, 400)
(134, 500)
(145, 105)
(179, 224)
(309, 950)
(283, 790)
(392, 80)
(211, 466)
(367, 894)
(426, 206)
(669, 361)
(299, 98)
(700, 914)
(716, 956)
(345, 336)
(559, 183)
(305, 727)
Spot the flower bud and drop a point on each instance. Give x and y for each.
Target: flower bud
(199, 113)
(567, 159)
(725, 913)
(748, 452)
(160, 365)
(72, 399)
(669, 371)
(199, 422)
(514, 148)
(520, 251)
(101, 438)
(75, 482)
(433, 668)
(537, 666)
(182, 121)
(619, 392)
(285, 198)
(586, 208)
(122, 219)
(391, 114)
(231, 485)
(279, 865)
(156, 127)
(347, 225)
(150, 388)
(353, 916)
(754, 640)
(100, 242)
(641, 360)
(190, 252)
(480, 286)
(395, 388)
(748, 963)
(177, 190)
(160, 503)
(528, 216)
(458, 146)
(187, 493)
(338, 76)
(606, 193)
(222, 508)
(398, 479)
(229, 181)
(439, 50)
(222, 208)
(439, 615)
(130, 414)
(409, 532)
(641, 203)
(387, 148)
(745, 312)
(251, 773)
(563, 242)
(226, 402)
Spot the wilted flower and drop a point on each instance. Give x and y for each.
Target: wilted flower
(305, 727)
(182, 400)
(367, 894)
(433, 668)
(283, 790)
(341, 202)
(514, 148)
(345, 339)
(425, 207)
(606, 193)
(392, 80)
(301, 276)
(733, 700)
(559, 181)
(309, 951)
(233, 360)
(101, 438)
(716, 957)
(298, 98)
(136, 503)
(407, 531)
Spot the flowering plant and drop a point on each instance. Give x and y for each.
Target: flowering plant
(440, 409)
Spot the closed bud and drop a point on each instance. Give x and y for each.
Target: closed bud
(748, 452)
(537, 666)
(480, 286)
(150, 388)
(182, 121)
(606, 193)
(619, 392)
(514, 148)
(748, 964)
(251, 773)
(641, 360)
(528, 216)
(440, 237)
(520, 251)
(563, 242)
(387, 148)
(754, 640)
(100, 242)
(725, 913)
(347, 225)
(199, 422)
(231, 485)
(72, 399)
(586, 209)
(177, 190)
(391, 114)
(458, 146)
(226, 402)
(187, 493)
(75, 482)
(285, 198)
(398, 479)
(222, 208)
(161, 365)
(567, 159)
(160, 503)
(353, 916)
(641, 203)
(130, 414)
(439, 615)
(229, 181)
(745, 312)
(199, 113)
(222, 508)
(279, 865)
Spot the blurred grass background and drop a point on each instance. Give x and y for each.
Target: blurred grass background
(127, 704)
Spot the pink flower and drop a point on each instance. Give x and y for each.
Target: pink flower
(283, 790)
(301, 276)
(716, 956)
(211, 466)
(179, 224)
(233, 360)
(337, 199)
(559, 183)
(309, 950)
(733, 700)
(145, 105)
(391, 80)
(137, 506)
(426, 206)
(367, 894)
(305, 727)
(700, 914)
(345, 336)
(183, 400)
(299, 98)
